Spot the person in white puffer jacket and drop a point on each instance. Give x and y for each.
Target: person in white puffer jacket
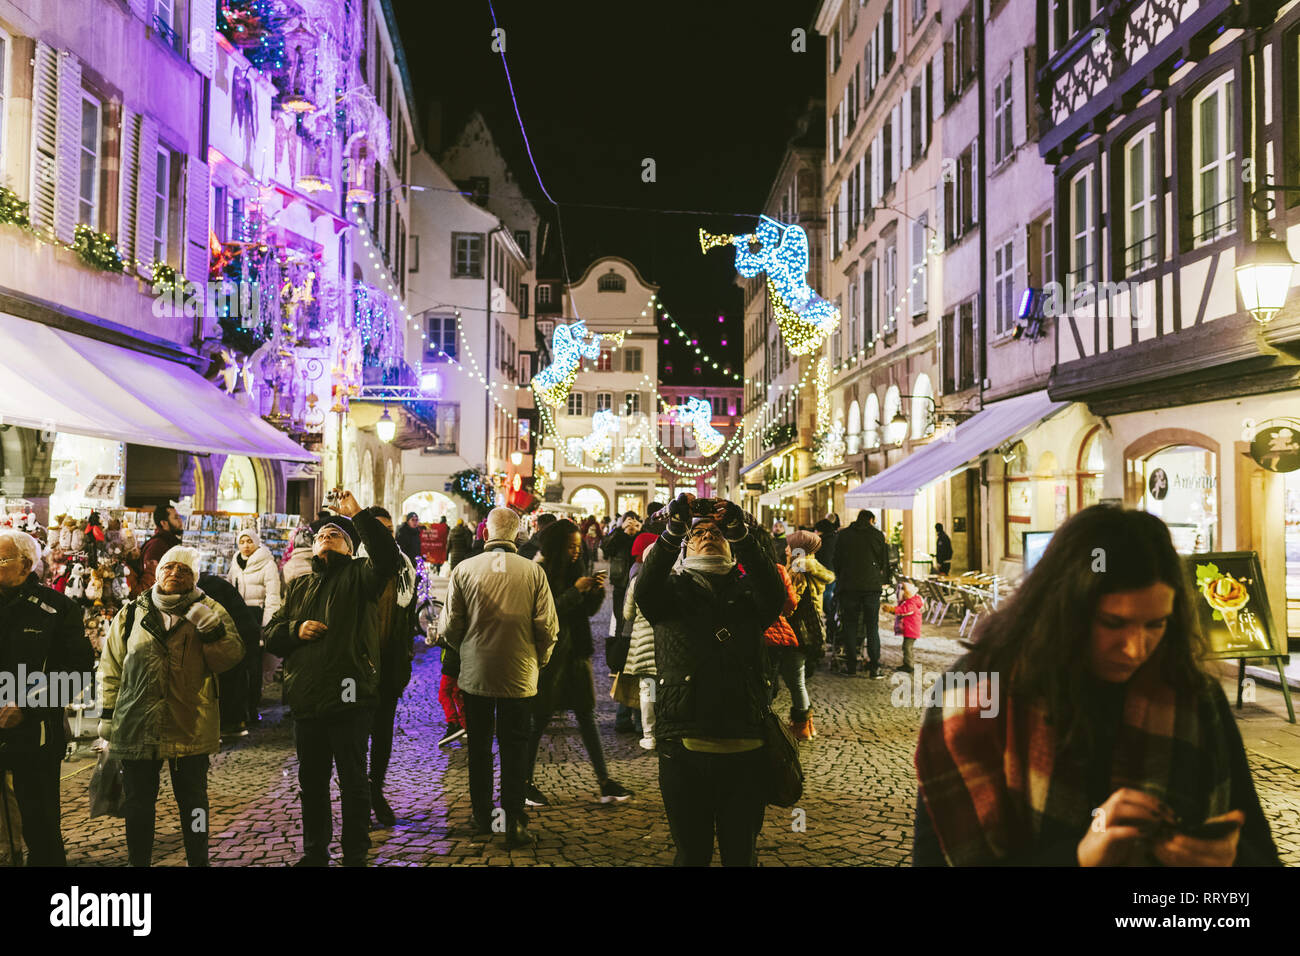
(254, 571)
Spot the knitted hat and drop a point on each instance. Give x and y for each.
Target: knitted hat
(641, 542)
(806, 541)
(181, 555)
(342, 524)
(249, 533)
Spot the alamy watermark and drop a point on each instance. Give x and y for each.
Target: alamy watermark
(216, 300)
(978, 689)
(25, 688)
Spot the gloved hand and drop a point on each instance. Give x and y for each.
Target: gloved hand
(105, 729)
(679, 514)
(203, 617)
(731, 520)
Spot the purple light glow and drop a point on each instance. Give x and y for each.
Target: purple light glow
(722, 318)
(724, 341)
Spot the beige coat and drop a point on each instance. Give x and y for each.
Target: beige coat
(161, 685)
(500, 617)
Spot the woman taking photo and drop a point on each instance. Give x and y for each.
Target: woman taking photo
(567, 682)
(1109, 744)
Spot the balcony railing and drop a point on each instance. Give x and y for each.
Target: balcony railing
(1140, 255)
(1214, 221)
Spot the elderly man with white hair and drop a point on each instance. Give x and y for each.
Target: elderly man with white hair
(164, 651)
(500, 617)
(40, 632)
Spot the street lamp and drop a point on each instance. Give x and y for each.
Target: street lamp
(516, 458)
(385, 428)
(1264, 269)
(897, 428)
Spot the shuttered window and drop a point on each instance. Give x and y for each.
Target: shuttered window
(92, 113)
(160, 198)
(5, 45)
(45, 136)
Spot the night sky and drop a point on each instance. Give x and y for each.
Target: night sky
(709, 89)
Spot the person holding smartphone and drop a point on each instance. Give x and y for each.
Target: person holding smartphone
(1082, 729)
(568, 682)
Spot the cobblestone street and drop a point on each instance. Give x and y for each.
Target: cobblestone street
(857, 807)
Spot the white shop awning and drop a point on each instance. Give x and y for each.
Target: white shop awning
(896, 486)
(772, 498)
(58, 380)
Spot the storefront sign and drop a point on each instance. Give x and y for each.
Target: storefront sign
(1277, 448)
(1232, 604)
(103, 487)
(1158, 484)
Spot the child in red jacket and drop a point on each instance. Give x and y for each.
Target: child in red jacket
(907, 620)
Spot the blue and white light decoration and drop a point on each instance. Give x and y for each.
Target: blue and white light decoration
(603, 427)
(804, 317)
(697, 414)
(570, 344)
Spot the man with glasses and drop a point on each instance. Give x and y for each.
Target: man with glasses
(328, 632)
(41, 630)
(712, 696)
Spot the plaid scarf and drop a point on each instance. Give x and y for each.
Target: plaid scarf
(997, 786)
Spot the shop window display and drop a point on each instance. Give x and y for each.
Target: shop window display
(1180, 486)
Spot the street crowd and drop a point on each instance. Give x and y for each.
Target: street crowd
(1106, 712)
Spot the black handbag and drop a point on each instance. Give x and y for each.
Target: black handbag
(783, 773)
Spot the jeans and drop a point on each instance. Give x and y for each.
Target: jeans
(381, 740)
(586, 727)
(788, 662)
(140, 790)
(908, 644)
(512, 718)
(323, 743)
(707, 793)
(36, 788)
(859, 613)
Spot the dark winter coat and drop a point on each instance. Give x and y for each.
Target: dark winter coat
(709, 644)
(861, 558)
(459, 542)
(247, 620)
(617, 548)
(42, 631)
(340, 670)
(942, 547)
(567, 682)
(408, 539)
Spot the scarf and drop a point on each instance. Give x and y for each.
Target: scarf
(703, 568)
(242, 562)
(997, 786)
(174, 604)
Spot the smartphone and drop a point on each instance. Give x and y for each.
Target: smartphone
(1215, 830)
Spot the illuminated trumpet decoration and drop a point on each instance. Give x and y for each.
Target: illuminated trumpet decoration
(804, 317)
(570, 344)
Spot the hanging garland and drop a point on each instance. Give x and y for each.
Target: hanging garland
(97, 249)
(12, 209)
(475, 489)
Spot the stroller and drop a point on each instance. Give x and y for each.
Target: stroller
(835, 637)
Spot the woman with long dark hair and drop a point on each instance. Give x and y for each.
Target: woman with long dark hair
(567, 682)
(1082, 729)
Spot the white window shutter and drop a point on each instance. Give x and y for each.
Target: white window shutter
(844, 210)
(142, 9)
(907, 128)
(877, 167)
(896, 141)
(196, 222)
(45, 137)
(128, 182)
(862, 184)
(897, 21)
(69, 147)
(1019, 98)
(203, 28)
(146, 169)
(938, 82)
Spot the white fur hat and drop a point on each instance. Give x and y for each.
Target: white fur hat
(181, 555)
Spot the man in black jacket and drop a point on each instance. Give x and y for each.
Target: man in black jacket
(398, 611)
(711, 696)
(328, 633)
(861, 567)
(533, 545)
(41, 632)
(942, 550)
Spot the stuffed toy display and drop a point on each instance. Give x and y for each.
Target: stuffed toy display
(76, 588)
